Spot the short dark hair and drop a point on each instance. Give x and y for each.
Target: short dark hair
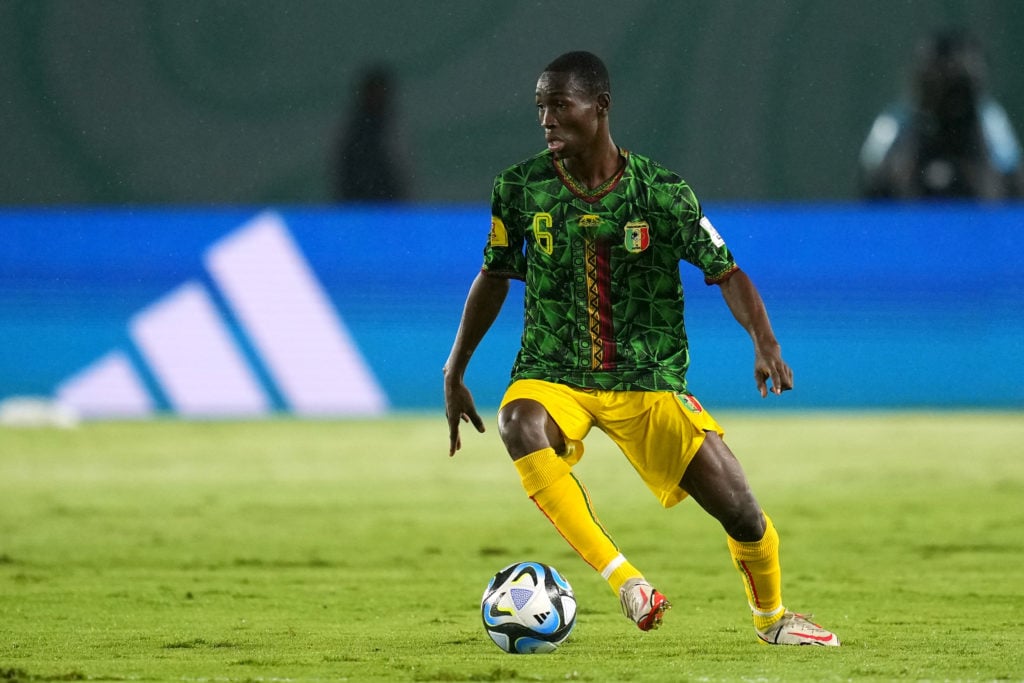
(588, 69)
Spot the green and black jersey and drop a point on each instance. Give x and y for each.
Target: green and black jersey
(604, 300)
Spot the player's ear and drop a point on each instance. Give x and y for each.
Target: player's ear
(604, 103)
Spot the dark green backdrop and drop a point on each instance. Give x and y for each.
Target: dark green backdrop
(121, 101)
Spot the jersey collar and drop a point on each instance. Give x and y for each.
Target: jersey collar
(585, 193)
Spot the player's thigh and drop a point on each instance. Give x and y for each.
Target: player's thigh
(661, 438)
(562, 404)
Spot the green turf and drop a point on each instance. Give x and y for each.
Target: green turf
(316, 551)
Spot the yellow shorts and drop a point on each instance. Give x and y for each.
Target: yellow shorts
(659, 432)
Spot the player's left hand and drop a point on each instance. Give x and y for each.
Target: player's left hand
(769, 366)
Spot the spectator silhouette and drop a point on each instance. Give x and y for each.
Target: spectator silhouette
(366, 164)
(951, 139)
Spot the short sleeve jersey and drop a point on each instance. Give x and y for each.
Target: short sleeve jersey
(604, 299)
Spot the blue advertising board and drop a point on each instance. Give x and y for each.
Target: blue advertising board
(334, 311)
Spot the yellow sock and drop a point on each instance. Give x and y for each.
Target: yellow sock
(618, 572)
(549, 482)
(758, 564)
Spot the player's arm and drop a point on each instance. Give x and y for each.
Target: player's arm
(748, 308)
(483, 303)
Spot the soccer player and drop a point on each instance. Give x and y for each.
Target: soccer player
(598, 233)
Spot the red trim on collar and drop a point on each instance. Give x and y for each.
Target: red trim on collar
(587, 195)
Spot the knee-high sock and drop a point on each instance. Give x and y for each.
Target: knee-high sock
(549, 482)
(758, 564)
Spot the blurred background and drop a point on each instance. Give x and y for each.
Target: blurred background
(205, 101)
(170, 167)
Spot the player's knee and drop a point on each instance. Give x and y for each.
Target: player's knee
(526, 427)
(745, 523)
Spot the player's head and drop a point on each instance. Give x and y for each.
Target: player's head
(573, 99)
(586, 68)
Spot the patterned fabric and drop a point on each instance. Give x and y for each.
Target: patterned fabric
(604, 300)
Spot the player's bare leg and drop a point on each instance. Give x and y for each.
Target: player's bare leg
(534, 440)
(715, 479)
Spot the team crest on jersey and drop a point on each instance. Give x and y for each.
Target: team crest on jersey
(499, 235)
(691, 403)
(638, 236)
(589, 220)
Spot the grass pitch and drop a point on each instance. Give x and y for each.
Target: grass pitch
(332, 551)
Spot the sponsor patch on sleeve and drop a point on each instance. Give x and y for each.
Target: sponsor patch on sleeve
(716, 239)
(499, 235)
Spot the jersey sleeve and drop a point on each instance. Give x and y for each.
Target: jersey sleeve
(504, 255)
(700, 243)
(712, 255)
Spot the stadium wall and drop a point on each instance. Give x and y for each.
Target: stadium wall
(243, 312)
(190, 101)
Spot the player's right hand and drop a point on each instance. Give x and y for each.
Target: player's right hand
(459, 406)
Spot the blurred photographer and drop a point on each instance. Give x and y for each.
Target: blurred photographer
(952, 140)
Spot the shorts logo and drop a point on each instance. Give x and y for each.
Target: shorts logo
(691, 403)
(589, 221)
(638, 236)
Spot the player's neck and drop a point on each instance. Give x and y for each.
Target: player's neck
(595, 169)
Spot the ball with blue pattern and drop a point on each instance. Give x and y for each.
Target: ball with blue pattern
(528, 608)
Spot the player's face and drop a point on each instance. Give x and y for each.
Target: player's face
(568, 115)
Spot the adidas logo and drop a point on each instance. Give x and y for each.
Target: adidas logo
(192, 342)
(541, 617)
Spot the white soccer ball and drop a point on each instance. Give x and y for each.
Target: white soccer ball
(528, 608)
